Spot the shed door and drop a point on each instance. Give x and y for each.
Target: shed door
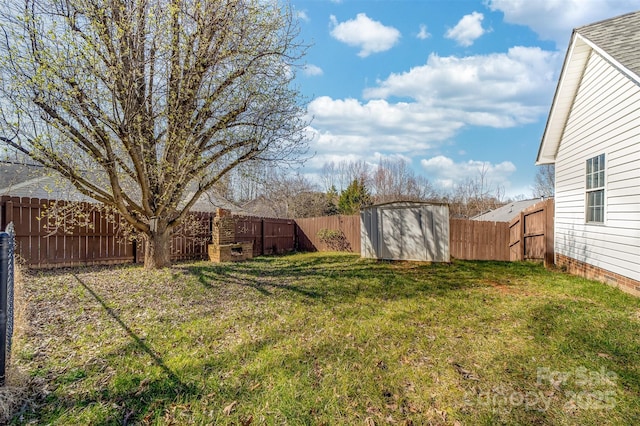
(403, 234)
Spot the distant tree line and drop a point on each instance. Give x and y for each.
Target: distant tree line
(345, 187)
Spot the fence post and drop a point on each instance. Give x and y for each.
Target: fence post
(263, 237)
(4, 275)
(523, 249)
(10, 283)
(549, 249)
(8, 212)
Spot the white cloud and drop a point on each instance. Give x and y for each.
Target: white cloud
(312, 70)
(352, 126)
(497, 90)
(554, 19)
(302, 15)
(446, 173)
(423, 34)
(378, 156)
(370, 36)
(467, 30)
(421, 110)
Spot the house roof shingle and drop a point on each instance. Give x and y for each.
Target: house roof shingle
(619, 37)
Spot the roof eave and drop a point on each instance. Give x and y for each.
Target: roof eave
(557, 116)
(574, 66)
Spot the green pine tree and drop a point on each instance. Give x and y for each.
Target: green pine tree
(354, 198)
(331, 207)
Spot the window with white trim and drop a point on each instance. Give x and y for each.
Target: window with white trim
(595, 189)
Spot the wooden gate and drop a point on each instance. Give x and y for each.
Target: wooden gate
(531, 234)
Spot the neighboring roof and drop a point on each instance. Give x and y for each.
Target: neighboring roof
(616, 40)
(12, 173)
(507, 212)
(32, 181)
(211, 201)
(261, 207)
(45, 187)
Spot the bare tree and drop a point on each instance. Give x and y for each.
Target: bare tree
(394, 180)
(476, 195)
(357, 170)
(329, 176)
(140, 102)
(341, 174)
(282, 193)
(246, 182)
(544, 185)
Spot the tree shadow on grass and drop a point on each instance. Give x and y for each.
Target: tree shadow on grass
(138, 341)
(341, 278)
(135, 397)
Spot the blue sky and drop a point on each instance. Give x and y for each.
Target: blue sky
(452, 86)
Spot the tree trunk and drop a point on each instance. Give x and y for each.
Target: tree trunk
(157, 252)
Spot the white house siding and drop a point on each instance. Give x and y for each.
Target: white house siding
(605, 119)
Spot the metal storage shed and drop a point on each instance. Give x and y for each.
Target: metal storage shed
(405, 231)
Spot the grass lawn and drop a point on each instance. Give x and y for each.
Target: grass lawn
(328, 339)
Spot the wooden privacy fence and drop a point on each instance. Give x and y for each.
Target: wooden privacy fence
(478, 240)
(528, 237)
(96, 242)
(308, 229)
(99, 241)
(269, 236)
(531, 234)
(188, 242)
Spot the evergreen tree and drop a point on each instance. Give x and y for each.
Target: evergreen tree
(354, 197)
(331, 207)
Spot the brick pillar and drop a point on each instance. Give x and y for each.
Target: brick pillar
(224, 228)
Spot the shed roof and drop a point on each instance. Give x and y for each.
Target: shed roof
(400, 204)
(616, 40)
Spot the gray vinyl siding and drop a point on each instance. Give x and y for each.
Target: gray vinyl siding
(605, 118)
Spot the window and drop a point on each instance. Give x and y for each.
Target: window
(595, 189)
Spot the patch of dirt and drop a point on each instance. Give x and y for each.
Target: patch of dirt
(409, 264)
(508, 289)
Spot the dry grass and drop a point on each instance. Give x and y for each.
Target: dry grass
(20, 390)
(325, 339)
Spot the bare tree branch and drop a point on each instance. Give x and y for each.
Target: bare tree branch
(141, 103)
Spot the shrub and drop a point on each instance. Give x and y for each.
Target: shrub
(334, 239)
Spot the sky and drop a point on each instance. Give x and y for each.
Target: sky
(454, 87)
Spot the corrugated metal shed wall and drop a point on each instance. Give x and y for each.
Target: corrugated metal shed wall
(405, 231)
